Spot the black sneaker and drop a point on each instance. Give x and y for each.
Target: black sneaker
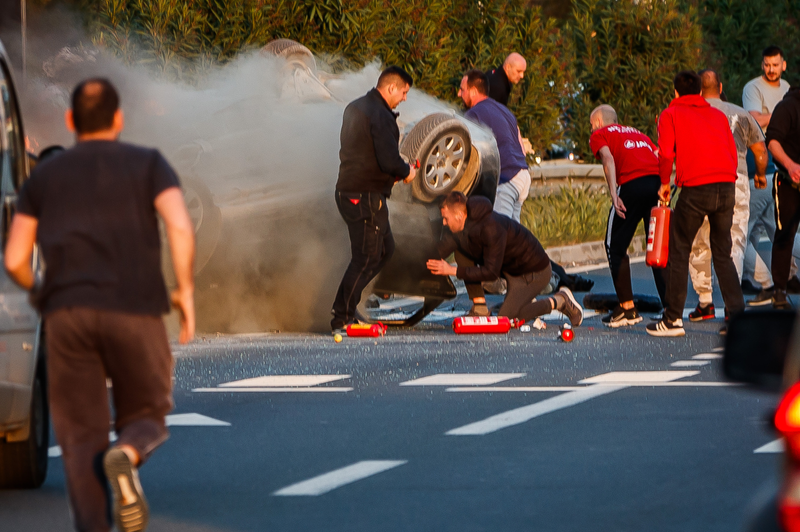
(750, 288)
(570, 308)
(621, 317)
(702, 313)
(666, 328)
(763, 298)
(779, 300)
(130, 507)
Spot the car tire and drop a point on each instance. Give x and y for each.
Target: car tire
(292, 52)
(23, 464)
(442, 145)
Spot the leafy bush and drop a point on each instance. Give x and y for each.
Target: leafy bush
(435, 40)
(576, 214)
(627, 53)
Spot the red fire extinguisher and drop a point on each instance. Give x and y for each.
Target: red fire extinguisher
(366, 329)
(658, 236)
(481, 325)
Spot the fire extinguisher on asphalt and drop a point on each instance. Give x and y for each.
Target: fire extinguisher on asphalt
(372, 330)
(482, 325)
(658, 236)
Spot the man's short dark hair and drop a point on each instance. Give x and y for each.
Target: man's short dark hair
(772, 51)
(94, 103)
(687, 82)
(477, 80)
(394, 75)
(454, 200)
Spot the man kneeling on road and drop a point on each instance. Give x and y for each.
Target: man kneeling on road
(488, 245)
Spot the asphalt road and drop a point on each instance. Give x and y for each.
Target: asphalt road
(615, 431)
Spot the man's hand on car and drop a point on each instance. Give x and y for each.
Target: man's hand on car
(441, 267)
(760, 181)
(411, 174)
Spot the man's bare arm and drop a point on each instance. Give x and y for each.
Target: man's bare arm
(779, 155)
(761, 118)
(180, 234)
(610, 171)
(19, 250)
(759, 150)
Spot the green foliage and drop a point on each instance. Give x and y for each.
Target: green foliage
(576, 214)
(736, 31)
(626, 55)
(435, 40)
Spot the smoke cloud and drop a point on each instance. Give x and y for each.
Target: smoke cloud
(257, 157)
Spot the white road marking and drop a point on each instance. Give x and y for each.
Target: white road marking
(526, 413)
(194, 420)
(772, 447)
(270, 381)
(516, 389)
(718, 349)
(638, 377)
(340, 477)
(707, 356)
(462, 379)
(173, 420)
(599, 266)
(690, 363)
(304, 389)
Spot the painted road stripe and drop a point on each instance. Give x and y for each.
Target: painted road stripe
(638, 377)
(462, 379)
(526, 413)
(283, 381)
(309, 389)
(772, 447)
(515, 389)
(707, 356)
(172, 420)
(336, 479)
(690, 363)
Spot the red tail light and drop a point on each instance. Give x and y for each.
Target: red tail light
(787, 421)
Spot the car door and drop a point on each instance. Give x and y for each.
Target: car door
(19, 322)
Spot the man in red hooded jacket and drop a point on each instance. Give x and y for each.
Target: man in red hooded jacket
(706, 173)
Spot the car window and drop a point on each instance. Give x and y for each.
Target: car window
(14, 164)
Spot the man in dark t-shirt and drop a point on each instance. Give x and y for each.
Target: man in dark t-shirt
(92, 210)
(502, 78)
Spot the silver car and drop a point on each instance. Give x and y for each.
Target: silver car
(24, 413)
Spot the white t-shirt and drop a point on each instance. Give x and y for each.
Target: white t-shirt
(760, 96)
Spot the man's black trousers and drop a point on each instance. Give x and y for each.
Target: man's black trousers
(716, 201)
(639, 197)
(371, 247)
(787, 218)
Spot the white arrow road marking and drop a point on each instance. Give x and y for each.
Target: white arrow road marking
(526, 413)
(172, 420)
(772, 447)
(707, 356)
(690, 363)
(462, 379)
(340, 477)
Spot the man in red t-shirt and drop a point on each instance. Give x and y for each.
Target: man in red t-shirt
(706, 173)
(630, 164)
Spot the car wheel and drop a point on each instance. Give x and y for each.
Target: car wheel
(292, 52)
(23, 464)
(442, 145)
(207, 222)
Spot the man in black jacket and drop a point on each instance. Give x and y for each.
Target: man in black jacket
(370, 165)
(783, 141)
(488, 245)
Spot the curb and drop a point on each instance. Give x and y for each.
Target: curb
(590, 252)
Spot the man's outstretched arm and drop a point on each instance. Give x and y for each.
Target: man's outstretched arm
(19, 250)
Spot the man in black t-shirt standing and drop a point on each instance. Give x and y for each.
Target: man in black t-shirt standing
(370, 165)
(92, 209)
(502, 78)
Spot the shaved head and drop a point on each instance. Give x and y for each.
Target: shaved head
(602, 116)
(710, 84)
(515, 66)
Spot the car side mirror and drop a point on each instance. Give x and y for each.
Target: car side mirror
(756, 347)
